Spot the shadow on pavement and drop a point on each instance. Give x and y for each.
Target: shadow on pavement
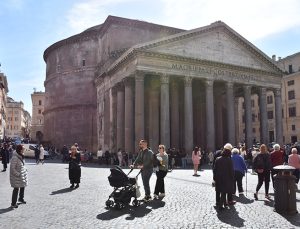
(231, 216)
(4, 210)
(131, 212)
(244, 200)
(61, 191)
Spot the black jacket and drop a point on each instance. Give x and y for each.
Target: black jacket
(223, 173)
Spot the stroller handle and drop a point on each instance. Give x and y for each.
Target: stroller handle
(132, 170)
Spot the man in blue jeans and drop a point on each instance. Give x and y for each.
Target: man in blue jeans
(144, 161)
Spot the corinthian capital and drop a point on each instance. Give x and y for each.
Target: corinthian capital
(139, 76)
(209, 83)
(164, 79)
(188, 81)
(277, 91)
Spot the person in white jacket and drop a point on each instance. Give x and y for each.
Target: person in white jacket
(42, 154)
(18, 176)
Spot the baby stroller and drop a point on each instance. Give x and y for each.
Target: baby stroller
(125, 188)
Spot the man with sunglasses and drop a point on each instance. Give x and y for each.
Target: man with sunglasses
(144, 161)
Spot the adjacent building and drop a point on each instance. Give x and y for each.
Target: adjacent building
(290, 87)
(18, 120)
(37, 122)
(126, 80)
(3, 97)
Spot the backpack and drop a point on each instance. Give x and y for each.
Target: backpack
(259, 162)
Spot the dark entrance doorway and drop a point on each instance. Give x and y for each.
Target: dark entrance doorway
(271, 136)
(39, 136)
(293, 139)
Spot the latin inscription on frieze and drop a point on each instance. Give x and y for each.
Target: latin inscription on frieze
(217, 73)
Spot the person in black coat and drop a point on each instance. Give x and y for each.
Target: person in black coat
(5, 156)
(37, 154)
(223, 175)
(74, 167)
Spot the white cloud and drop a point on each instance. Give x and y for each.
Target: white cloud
(253, 19)
(89, 13)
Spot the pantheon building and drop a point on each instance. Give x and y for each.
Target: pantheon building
(126, 80)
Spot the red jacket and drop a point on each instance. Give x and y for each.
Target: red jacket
(277, 158)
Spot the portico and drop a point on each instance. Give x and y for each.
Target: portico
(180, 91)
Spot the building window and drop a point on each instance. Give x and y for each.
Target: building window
(40, 102)
(293, 127)
(243, 118)
(290, 82)
(270, 115)
(83, 63)
(58, 68)
(253, 130)
(290, 68)
(243, 105)
(40, 121)
(253, 117)
(252, 102)
(291, 95)
(292, 111)
(40, 111)
(269, 99)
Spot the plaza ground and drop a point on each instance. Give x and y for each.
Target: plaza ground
(189, 203)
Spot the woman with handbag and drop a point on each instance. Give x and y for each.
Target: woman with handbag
(262, 166)
(74, 167)
(18, 176)
(162, 157)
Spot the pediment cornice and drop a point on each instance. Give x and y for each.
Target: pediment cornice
(217, 26)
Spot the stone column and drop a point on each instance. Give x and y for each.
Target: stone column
(153, 105)
(139, 109)
(188, 115)
(120, 117)
(278, 116)
(230, 113)
(174, 115)
(248, 116)
(129, 125)
(106, 123)
(237, 120)
(210, 115)
(113, 127)
(219, 138)
(263, 116)
(164, 111)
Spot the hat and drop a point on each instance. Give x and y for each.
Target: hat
(228, 146)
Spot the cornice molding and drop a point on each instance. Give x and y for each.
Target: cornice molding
(146, 53)
(69, 107)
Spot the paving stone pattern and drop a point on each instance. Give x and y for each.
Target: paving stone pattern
(189, 203)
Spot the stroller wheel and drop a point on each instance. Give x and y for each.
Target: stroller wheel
(109, 203)
(136, 203)
(119, 206)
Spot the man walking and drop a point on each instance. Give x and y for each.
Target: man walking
(5, 156)
(144, 161)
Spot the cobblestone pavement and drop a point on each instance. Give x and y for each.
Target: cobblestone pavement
(189, 203)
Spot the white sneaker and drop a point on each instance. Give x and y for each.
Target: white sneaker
(162, 195)
(155, 196)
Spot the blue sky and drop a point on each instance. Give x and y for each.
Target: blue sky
(28, 27)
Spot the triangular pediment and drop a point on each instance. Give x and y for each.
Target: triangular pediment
(216, 42)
